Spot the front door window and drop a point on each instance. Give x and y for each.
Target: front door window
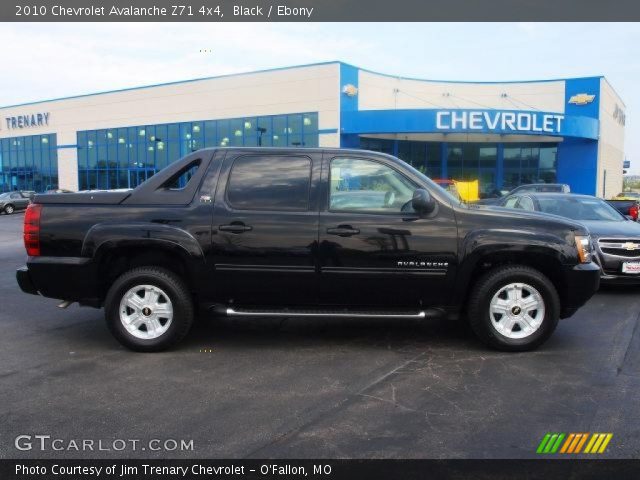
(358, 185)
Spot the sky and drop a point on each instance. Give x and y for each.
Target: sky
(43, 61)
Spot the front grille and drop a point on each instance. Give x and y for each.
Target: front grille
(622, 247)
(621, 253)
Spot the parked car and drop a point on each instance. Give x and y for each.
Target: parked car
(532, 187)
(628, 196)
(11, 202)
(258, 232)
(626, 207)
(616, 239)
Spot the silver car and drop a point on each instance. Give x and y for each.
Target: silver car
(12, 201)
(616, 238)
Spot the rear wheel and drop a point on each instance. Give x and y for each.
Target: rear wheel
(149, 309)
(514, 308)
(9, 209)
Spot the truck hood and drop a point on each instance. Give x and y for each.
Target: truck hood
(520, 217)
(601, 229)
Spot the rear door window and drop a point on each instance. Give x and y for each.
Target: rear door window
(270, 182)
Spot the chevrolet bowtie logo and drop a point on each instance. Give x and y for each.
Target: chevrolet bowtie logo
(631, 246)
(350, 90)
(581, 99)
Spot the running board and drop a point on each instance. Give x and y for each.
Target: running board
(307, 313)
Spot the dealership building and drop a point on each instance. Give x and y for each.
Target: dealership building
(503, 134)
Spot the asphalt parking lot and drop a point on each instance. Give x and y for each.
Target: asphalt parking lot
(318, 389)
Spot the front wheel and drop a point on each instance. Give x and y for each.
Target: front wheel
(149, 309)
(514, 308)
(9, 209)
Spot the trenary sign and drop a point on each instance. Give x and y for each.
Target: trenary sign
(27, 121)
(499, 121)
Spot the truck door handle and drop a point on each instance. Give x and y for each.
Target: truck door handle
(343, 231)
(235, 228)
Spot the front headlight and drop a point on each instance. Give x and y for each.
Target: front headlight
(585, 248)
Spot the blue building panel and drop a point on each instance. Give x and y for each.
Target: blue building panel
(502, 122)
(578, 165)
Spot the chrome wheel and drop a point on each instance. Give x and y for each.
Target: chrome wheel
(146, 312)
(516, 310)
(9, 209)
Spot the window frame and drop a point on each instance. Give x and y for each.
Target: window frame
(327, 206)
(519, 203)
(229, 176)
(515, 204)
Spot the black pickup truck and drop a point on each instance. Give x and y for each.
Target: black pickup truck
(257, 232)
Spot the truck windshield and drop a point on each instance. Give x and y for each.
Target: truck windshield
(580, 208)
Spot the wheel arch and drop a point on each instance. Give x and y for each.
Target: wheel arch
(116, 249)
(544, 259)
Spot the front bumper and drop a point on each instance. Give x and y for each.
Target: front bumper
(582, 282)
(611, 261)
(621, 279)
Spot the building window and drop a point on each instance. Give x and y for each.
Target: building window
(29, 163)
(377, 145)
(529, 163)
(523, 163)
(126, 157)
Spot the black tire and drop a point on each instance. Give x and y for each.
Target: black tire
(489, 285)
(175, 289)
(9, 209)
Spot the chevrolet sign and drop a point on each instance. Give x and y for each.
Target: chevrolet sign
(499, 121)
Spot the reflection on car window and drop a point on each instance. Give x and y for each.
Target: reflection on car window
(270, 182)
(526, 203)
(367, 186)
(511, 202)
(181, 178)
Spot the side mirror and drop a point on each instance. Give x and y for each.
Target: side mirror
(422, 201)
